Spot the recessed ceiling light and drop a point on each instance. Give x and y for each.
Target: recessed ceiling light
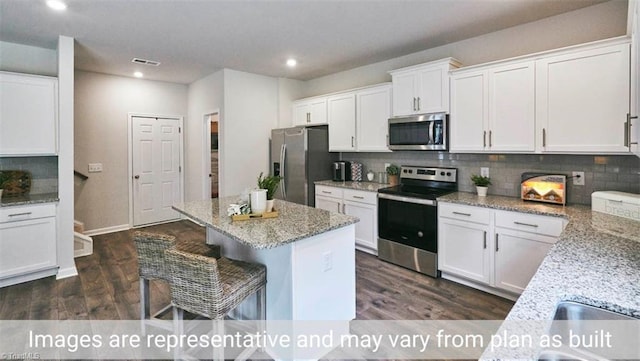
(291, 62)
(138, 74)
(56, 5)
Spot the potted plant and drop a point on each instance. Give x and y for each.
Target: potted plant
(393, 171)
(270, 183)
(482, 184)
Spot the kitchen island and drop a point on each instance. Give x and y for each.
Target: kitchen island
(309, 254)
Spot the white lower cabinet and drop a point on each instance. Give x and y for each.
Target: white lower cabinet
(493, 250)
(27, 243)
(361, 204)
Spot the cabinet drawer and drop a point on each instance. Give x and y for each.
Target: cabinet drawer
(360, 196)
(332, 192)
(21, 213)
(550, 226)
(464, 213)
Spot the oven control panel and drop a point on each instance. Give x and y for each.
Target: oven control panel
(432, 174)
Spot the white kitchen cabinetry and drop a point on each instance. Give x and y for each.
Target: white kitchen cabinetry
(582, 100)
(358, 119)
(372, 117)
(342, 122)
(422, 88)
(462, 241)
(361, 204)
(28, 114)
(27, 243)
(310, 111)
(493, 250)
(492, 109)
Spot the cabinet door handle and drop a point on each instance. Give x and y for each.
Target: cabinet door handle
(20, 214)
(352, 142)
(414, 104)
(358, 197)
(497, 248)
(462, 214)
(490, 145)
(627, 130)
(485, 240)
(484, 139)
(544, 137)
(418, 103)
(525, 224)
(344, 208)
(308, 117)
(327, 192)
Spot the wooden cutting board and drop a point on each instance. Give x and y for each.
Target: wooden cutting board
(19, 183)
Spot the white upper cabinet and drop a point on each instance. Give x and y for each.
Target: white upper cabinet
(469, 111)
(492, 109)
(28, 114)
(372, 118)
(582, 100)
(311, 111)
(511, 125)
(358, 119)
(422, 88)
(342, 122)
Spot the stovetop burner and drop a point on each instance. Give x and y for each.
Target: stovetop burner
(423, 182)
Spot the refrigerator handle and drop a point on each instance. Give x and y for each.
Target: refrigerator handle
(283, 174)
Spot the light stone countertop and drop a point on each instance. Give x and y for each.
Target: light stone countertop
(361, 186)
(8, 201)
(294, 222)
(596, 260)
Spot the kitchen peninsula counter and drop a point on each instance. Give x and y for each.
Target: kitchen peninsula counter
(309, 254)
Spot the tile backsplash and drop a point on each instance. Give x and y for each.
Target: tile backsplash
(611, 172)
(44, 171)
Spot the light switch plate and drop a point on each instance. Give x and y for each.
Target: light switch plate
(95, 167)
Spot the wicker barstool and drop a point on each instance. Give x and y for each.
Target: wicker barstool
(152, 265)
(211, 287)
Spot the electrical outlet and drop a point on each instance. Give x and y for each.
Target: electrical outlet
(327, 261)
(578, 178)
(95, 167)
(484, 171)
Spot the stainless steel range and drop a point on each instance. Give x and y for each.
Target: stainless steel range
(408, 217)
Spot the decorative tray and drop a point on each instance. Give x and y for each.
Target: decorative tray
(245, 217)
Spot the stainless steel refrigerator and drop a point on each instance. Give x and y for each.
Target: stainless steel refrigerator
(300, 155)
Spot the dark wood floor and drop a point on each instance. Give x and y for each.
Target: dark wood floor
(107, 288)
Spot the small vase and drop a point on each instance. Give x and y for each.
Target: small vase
(482, 191)
(258, 201)
(393, 179)
(269, 205)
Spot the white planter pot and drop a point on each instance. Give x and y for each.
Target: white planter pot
(269, 205)
(258, 201)
(482, 191)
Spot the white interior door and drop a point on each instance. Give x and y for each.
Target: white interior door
(156, 169)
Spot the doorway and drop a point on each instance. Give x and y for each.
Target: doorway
(155, 162)
(211, 155)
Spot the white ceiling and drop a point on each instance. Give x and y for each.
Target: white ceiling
(195, 38)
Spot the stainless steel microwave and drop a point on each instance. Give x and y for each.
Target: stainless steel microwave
(418, 132)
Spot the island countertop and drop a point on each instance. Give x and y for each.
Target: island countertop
(294, 222)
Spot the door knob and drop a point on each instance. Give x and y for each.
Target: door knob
(210, 175)
(136, 176)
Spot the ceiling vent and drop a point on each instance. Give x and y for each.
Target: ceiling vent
(145, 62)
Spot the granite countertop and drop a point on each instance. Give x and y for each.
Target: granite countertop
(596, 260)
(294, 222)
(361, 186)
(8, 201)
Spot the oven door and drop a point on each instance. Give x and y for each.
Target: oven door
(409, 221)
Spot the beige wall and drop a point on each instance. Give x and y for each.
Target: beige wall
(596, 22)
(288, 91)
(102, 105)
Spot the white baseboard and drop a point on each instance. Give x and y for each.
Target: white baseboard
(98, 231)
(66, 272)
